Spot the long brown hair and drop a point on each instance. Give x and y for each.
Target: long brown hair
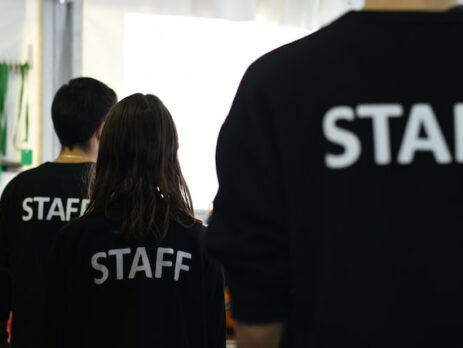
(138, 172)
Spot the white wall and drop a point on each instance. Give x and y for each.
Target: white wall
(103, 28)
(332, 9)
(20, 42)
(192, 54)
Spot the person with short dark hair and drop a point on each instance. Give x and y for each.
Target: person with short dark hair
(338, 217)
(38, 202)
(79, 109)
(132, 272)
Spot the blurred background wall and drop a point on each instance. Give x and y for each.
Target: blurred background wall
(191, 53)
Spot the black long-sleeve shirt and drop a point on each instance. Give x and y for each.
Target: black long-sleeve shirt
(5, 304)
(340, 173)
(33, 207)
(107, 290)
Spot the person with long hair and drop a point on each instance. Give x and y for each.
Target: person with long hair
(132, 272)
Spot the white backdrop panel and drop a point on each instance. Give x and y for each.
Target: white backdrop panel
(192, 54)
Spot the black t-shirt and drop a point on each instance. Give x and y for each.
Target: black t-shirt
(107, 290)
(33, 207)
(341, 184)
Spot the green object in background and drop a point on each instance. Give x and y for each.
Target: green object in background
(4, 73)
(26, 136)
(26, 157)
(3, 135)
(23, 105)
(24, 70)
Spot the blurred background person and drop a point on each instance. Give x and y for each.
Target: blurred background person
(338, 217)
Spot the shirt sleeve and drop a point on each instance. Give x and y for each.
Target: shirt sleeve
(216, 306)
(5, 304)
(4, 227)
(5, 279)
(55, 303)
(246, 232)
(5, 296)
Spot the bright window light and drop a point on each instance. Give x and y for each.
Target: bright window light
(195, 65)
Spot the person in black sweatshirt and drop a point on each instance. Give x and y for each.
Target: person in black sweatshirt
(338, 217)
(132, 272)
(38, 202)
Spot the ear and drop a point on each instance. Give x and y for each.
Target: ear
(99, 130)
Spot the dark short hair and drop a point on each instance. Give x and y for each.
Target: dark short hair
(79, 108)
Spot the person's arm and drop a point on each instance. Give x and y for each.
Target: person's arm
(5, 306)
(259, 336)
(3, 336)
(55, 296)
(247, 233)
(5, 280)
(216, 306)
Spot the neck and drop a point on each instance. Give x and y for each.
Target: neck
(409, 5)
(76, 155)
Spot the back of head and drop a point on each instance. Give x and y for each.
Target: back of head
(138, 172)
(79, 108)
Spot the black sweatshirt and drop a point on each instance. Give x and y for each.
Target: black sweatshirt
(107, 290)
(340, 171)
(33, 207)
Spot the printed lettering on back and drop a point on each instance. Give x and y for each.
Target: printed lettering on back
(165, 262)
(49, 209)
(422, 134)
